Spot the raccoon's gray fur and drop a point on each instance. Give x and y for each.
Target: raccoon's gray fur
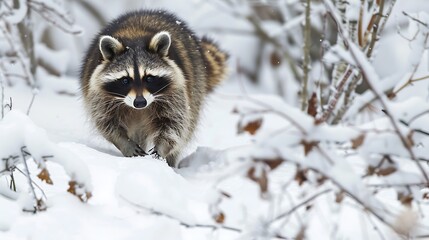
(144, 79)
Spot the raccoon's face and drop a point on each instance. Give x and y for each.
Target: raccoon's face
(136, 75)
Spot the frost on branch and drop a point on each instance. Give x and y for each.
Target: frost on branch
(22, 142)
(22, 22)
(378, 166)
(307, 164)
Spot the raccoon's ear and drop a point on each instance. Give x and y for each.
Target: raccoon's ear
(160, 43)
(110, 47)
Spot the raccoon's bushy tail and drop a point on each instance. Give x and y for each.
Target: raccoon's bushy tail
(215, 61)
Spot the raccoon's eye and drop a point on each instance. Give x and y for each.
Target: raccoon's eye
(155, 84)
(125, 80)
(150, 79)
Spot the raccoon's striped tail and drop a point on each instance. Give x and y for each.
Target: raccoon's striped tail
(215, 63)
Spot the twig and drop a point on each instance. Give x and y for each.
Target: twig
(19, 54)
(417, 116)
(348, 97)
(27, 170)
(340, 185)
(12, 182)
(45, 7)
(375, 227)
(386, 16)
(56, 24)
(296, 207)
(411, 81)
(35, 184)
(306, 63)
(265, 36)
(2, 95)
(390, 185)
(46, 11)
(360, 22)
(375, 25)
(362, 66)
(415, 19)
(281, 114)
(26, 37)
(334, 98)
(214, 227)
(32, 101)
(356, 78)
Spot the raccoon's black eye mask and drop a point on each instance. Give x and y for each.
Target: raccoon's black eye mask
(120, 87)
(155, 84)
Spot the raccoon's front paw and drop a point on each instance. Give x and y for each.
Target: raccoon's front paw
(138, 151)
(154, 153)
(133, 150)
(170, 159)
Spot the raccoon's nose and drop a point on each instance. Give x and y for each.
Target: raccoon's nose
(140, 102)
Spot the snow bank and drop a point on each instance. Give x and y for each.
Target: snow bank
(9, 210)
(152, 185)
(20, 134)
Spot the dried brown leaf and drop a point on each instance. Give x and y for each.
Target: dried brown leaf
(391, 95)
(339, 197)
(312, 105)
(386, 171)
(321, 179)
(261, 179)
(275, 59)
(72, 189)
(357, 142)
(405, 199)
(410, 141)
(308, 146)
(219, 218)
(273, 163)
(301, 234)
(263, 182)
(251, 127)
(41, 205)
(45, 177)
(370, 170)
(300, 177)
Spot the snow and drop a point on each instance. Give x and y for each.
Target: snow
(234, 183)
(352, 11)
(21, 132)
(19, 14)
(183, 199)
(125, 190)
(10, 210)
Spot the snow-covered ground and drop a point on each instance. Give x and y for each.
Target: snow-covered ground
(125, 191)
(258, 168)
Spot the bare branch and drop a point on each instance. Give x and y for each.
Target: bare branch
(415, 19)
(214, 227)
(301, 204)
(335, 97)
(27, 171)
(379, 95)
(375, 26)
(306, 63)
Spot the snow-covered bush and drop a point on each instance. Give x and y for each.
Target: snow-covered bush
(340, 153)
(22, 25)
(318, 166)
(25, 58)
(21, 142)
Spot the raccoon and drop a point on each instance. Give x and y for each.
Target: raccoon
(144, 79)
